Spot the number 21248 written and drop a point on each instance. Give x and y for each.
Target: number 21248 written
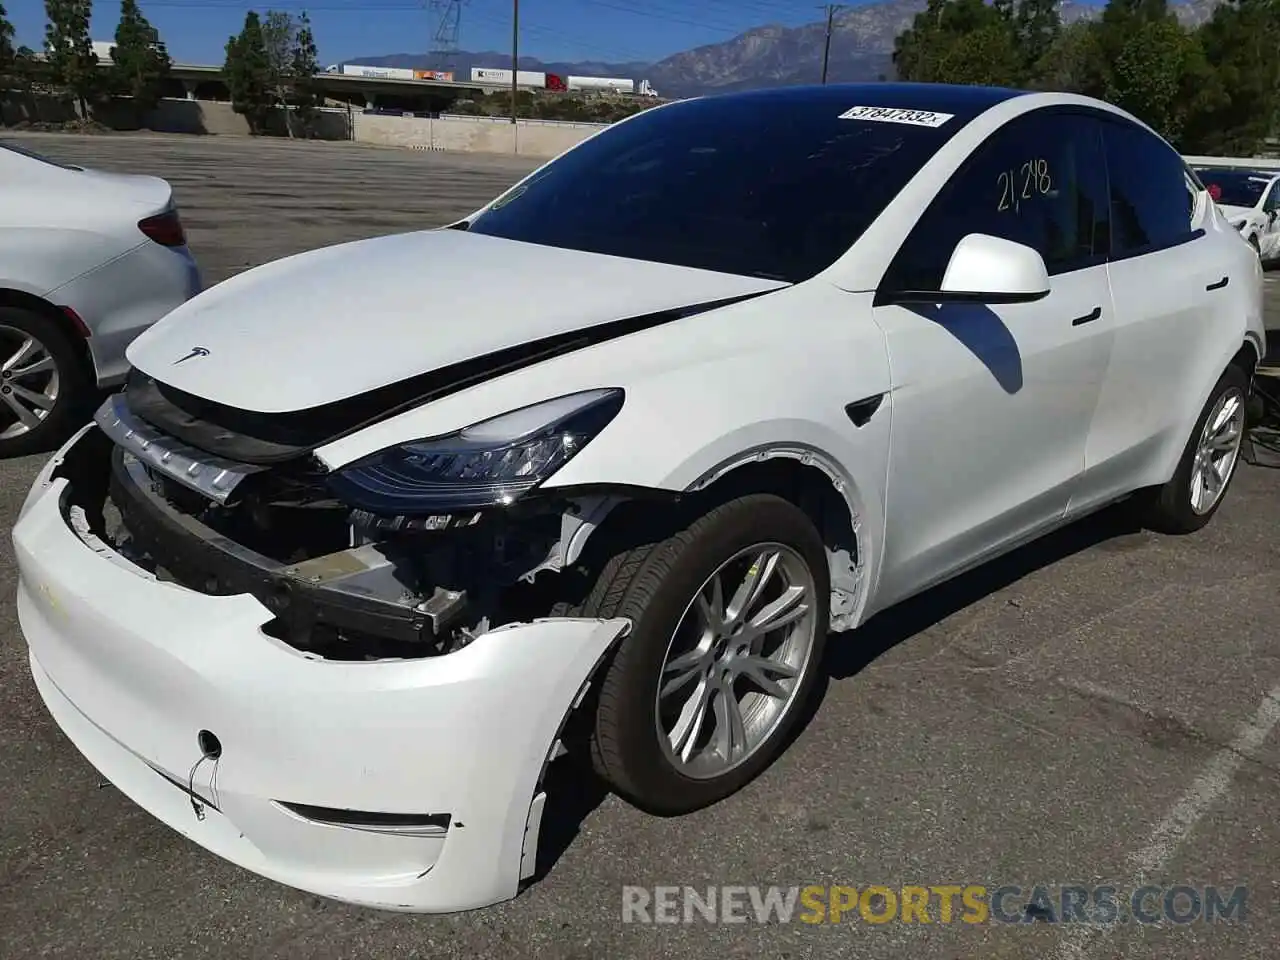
(1027, 182)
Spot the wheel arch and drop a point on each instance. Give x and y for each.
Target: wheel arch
(73, 329)
(806, 477)
(1247, 357)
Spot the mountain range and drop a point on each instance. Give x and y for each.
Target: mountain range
(770, 55)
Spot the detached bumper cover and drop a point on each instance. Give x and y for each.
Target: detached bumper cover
(139, 672)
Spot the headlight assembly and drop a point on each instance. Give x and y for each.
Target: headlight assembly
(487, 464)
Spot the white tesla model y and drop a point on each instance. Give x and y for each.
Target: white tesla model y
(374, 531)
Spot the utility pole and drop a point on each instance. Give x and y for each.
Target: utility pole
(831, 9)
(515, 56)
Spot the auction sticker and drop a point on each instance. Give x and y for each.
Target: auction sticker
(916, 118)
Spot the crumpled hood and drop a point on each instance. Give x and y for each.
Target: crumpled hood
(336, 322)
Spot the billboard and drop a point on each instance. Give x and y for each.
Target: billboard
(377, 73)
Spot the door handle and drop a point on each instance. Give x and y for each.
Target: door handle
(1088, 317)
(1219, 285)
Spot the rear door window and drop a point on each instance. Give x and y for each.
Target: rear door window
(1148, 184)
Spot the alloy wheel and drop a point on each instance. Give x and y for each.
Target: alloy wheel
(29, 382)
(732, 669)
(1218, 451)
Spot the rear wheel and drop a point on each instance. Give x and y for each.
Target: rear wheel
(43, 383)
(1196, 491)
(729, 624)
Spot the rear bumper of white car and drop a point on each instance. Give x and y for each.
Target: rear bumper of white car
(125, 296)
(400, 784)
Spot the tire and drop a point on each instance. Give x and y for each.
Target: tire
(1257, 247)
(1170, 509)
(655, 584)
(70, 393)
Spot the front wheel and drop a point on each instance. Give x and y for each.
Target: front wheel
(729, 625)
(1195, 492)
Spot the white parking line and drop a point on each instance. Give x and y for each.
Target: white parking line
(1212, 785)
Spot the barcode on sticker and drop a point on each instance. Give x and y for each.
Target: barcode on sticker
(917, 118)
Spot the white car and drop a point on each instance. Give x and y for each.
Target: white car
(88, 260)
(379, 531)
(1250, 200)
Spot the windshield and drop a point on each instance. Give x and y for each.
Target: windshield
(774, 185)
(1234, 188)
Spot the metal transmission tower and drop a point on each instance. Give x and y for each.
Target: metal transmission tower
(447, 16)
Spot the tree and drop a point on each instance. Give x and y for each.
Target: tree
(8, 60)
(1071, 61)
(248, 73)
(7, 53)
(140, 62)
(304, 67)
(72, 62)
(961, 41)
(1036, 26)
(1239, 44)
(279, 34)
(1142, 59)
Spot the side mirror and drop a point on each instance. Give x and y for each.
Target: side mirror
(987, 269)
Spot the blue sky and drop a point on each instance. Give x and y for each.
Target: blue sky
(197, 30)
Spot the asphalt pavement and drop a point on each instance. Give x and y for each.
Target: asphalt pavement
(1098, 708)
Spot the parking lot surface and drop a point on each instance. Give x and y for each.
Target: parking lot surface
(1097, 708)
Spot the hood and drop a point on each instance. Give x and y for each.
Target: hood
(337, 322)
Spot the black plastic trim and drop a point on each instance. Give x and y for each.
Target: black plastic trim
(368, 819)
(886, 298)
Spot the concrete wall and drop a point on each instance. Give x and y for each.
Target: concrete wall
(1257, 163)
(172, 116)
(531, 138)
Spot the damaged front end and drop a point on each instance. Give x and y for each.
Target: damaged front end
(411, 553)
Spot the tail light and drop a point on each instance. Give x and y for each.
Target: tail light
(165, 229)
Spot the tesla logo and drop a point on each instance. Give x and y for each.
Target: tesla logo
(195, 352)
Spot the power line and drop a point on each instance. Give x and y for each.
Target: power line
(612, 52)
(659, 15)
(831, 9)
(412, 6)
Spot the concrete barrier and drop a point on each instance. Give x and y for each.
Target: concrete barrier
(532, 138)
(1254, 163)
(212, 117)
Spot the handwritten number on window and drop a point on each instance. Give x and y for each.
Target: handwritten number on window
(1027, 182)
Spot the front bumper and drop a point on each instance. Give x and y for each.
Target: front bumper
(143, 675)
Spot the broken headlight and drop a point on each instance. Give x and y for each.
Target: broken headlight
(485, 465)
